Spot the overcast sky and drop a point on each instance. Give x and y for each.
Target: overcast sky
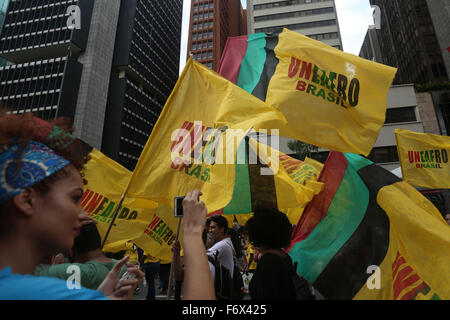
(354, 17)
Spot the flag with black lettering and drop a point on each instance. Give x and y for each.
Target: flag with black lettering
(369, 235)
(194, 142)
(331, 99)
(424, 158)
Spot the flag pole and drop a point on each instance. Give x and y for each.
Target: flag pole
(113, 219)
(169, 289)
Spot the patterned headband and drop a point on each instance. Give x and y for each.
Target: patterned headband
(37, 162)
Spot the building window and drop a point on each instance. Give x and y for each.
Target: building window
(397, 115)
(305, 25)
(384, 154)
(302, 13)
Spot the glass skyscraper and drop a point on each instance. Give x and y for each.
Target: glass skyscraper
(111, 76)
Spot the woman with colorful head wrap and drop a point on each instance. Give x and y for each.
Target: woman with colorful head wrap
(41, 187)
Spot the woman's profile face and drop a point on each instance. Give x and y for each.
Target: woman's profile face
(58, 213)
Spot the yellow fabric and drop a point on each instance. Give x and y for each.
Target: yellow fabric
(424, 158)
(131, 250)
(293, 214)
(160, 233)
(241, 218)
(295, 181)
(417, 263)
(106, 181)
(199, 95)
(249, 252)
(316, 115)
(150, 259)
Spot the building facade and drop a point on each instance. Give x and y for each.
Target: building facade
(211, 23)
(44, 76)
(145, 69)
(316, 19)
(409, 40)
(108, 65)
(414, 36)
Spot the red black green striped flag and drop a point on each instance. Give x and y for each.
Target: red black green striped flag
(369, 235)
(330, 98)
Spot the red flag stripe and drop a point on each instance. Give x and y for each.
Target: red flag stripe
(233, 54)
(333, 173)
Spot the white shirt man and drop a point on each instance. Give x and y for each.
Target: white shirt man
(223, 246)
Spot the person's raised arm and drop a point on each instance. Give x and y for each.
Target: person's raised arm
(198, 283)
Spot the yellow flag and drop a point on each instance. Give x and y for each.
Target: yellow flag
(160, 233)
(417, 262)
(331, 99)
(424, 158)
(194, 142)
(106, 182)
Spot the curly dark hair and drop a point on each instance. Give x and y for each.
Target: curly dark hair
(269, 228)
(23, 128)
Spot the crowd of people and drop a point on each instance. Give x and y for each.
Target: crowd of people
(44, 233)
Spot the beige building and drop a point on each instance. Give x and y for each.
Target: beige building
(316, 19)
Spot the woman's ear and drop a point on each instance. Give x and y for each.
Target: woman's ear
(24, 201)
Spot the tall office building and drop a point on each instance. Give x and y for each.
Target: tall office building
(370, 48)
(211, 23)
(316, 19)
(414, 36)
(145, 69)
(70, 56)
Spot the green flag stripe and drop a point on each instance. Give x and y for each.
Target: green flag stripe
(270, 66)
(342, 219)
(241, 200)
(346, 273)
(252, 65)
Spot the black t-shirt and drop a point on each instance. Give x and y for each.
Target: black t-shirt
(273, 279)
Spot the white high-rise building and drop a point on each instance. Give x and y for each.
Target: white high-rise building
(316, 19)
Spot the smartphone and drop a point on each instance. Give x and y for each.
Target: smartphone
(178, 207)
